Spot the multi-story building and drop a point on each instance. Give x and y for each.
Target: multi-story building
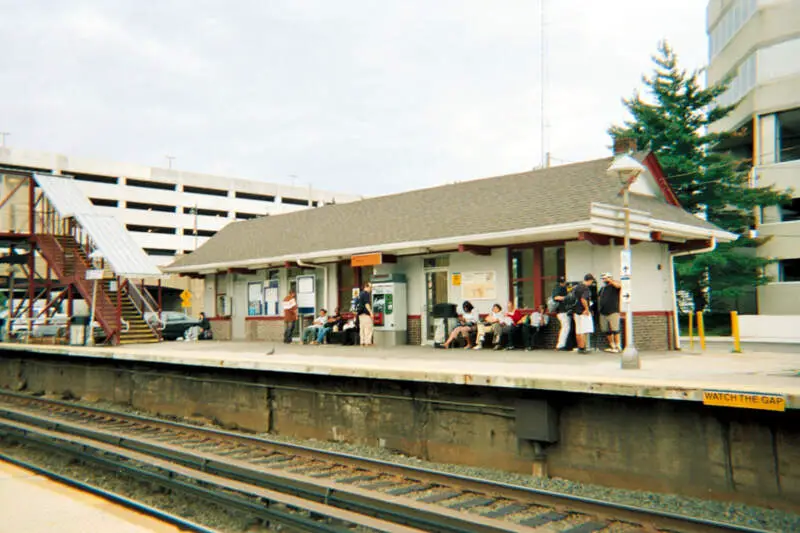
(757, 44)
(168, 212)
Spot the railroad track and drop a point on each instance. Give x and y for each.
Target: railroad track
(308, 489)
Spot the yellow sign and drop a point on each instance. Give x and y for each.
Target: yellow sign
(366, 260)
(186, 299)
(455, 280)
(744, 400)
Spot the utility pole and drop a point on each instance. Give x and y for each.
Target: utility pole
(3, 135)
(170, 158)
(194, 212)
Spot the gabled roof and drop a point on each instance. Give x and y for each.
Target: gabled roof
(557, 197)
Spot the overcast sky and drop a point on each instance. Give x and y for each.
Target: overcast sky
(368, 96)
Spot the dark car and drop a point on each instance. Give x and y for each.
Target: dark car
(174, 324)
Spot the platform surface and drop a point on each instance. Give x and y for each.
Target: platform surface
(30, 503)
(668, 375)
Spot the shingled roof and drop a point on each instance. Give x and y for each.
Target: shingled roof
(552, 196)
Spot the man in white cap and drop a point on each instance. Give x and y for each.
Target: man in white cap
(608, 307)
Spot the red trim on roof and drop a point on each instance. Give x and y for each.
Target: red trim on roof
(652, 164)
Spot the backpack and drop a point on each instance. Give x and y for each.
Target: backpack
(552, 305)
(571, 302)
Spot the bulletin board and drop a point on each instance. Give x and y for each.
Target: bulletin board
(480, 285)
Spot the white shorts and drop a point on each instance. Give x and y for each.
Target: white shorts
(584, 324)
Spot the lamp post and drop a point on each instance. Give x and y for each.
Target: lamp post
(627, 169)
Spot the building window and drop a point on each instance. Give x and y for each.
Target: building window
(294, 201)
(522, 278)
(150, 207)
(150, 184)
(150, 229)
(442, 261)
(246, 216)
(253, 196)
(105, 202)
(200, 233)
(94, 178)
(554, 266)
(741, 84)
(204, 212)
(161, 252)
(348, 278)
(729, 24)
(789, 270)
(255, 302)
(788, 138)
(204, 190)
(790, 212)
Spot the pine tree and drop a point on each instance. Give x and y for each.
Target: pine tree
(708, 180)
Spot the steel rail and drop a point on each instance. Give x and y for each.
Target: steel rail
(201, 484)
(164, 516)
(604, 509)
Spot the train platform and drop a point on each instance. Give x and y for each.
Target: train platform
(676, 375)
(32, 503)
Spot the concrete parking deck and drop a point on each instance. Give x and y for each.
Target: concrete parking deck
(668, 375)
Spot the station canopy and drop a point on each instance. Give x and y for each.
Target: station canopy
(109, 236)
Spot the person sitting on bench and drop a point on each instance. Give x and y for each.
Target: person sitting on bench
(469, 323)
(313, 330)
(530, 331)
(495, 322)
(334, 322)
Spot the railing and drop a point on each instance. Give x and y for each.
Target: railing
(144, 303)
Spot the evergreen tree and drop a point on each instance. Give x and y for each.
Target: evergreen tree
(708, 180)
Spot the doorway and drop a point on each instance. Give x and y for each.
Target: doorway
(435, 293)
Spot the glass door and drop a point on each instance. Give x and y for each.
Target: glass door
(435, 293)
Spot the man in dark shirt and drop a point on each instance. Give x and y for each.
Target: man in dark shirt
(559, 293)
(365, 316)
(609, 311)
(584, 322)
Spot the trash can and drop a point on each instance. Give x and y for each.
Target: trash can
(445, 318)
(77, 330)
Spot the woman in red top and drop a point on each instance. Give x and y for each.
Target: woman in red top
(514, 320)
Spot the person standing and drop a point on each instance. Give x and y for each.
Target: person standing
(608, 307)
(289, 317)
(584, 322)
(365, 315)
(564, 320)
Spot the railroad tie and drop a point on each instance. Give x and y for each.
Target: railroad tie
(355, 479)
(474, 502)
(506, 510)
(380, 485)
(587, 527)
(408, 490)
(538, 520)
(441, 496)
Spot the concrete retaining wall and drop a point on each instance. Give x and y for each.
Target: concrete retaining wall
(770, 328)
(658, 445)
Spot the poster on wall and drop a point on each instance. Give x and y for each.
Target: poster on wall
(254, 303)
(271, 299)
(478, 285)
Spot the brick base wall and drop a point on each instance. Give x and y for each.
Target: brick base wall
(264, 330)
(414, 330)
(221, 329)
(652, 332)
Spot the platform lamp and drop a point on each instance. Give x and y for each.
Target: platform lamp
(97, 262)
(627, 169)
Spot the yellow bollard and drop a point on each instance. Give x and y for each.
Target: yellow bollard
(691, 331)
(701, 330)
(737, 345)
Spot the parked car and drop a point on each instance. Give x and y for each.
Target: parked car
(173, 324)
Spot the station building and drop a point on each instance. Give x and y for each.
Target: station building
(487, 240)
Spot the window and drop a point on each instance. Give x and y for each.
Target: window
(788, 138)
(294, 201)
(522, 280)
(729, 24)
(743, 81)
(150, 207)
(150, 229)
(205, 212)
(104, 202)
(200, 232)
(791, 212)
(554, 266)
(441, 261)
(159, 252)
(347, 279)
(253, 196)
(246, 216)
(204, 190)
(789, 270)
(255, 302)
(150, 184)
(94, 178)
